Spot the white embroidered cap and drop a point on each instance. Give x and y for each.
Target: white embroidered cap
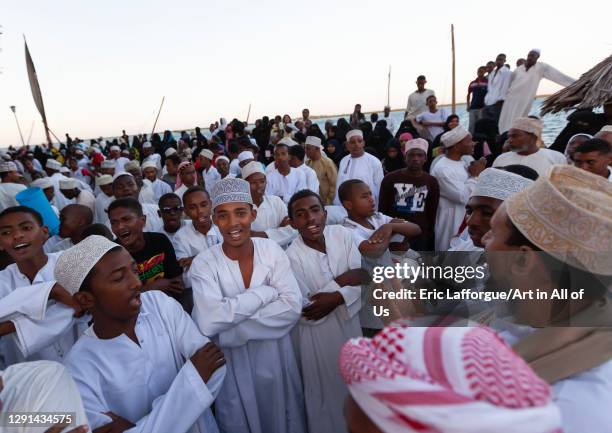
(250, 168)
(499, 184)
(231, 190)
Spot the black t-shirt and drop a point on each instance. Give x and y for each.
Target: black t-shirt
(157, 259)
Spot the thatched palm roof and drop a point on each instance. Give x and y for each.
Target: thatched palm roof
(592, 90)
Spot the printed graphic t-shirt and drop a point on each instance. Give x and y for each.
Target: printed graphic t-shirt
(157, 259)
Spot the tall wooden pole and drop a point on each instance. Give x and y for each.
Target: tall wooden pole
(13, 109)
(158, 113)
(248, 114)
(454, 103)
(389, 88)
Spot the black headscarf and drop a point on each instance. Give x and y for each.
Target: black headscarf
(392, 164)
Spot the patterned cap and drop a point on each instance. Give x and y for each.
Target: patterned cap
(5, 167)
(231, 190)
(67, 184)
(454, 136)
(53, 164)
(527, 124)
(499, 184)
(250, 168)
(311, 140)
(568, 214)
(108, 163)
(132, 165)
(104, 180)
(74, 264)
(207, 153)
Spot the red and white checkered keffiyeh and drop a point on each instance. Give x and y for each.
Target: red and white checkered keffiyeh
(446, 379)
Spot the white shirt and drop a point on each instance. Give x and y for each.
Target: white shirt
(150, 383)
(497, 85)
(417, 102)
(285, 186)
(160, 188)
(101, 206)
(540, 161)
(154, 222)
(8, 191)
(439, 116)
(189, 242)
(270, 215)
(390, 123)
(38, 335)
(312, 181)
(120, 164)
(252, 327)
(367, 168)
(211, 177)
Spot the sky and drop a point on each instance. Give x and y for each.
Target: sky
(104, 66)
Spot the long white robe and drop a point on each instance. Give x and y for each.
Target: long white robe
(456, 186)
(270, 214)
(8, 191)
(189, 242)
(262, 392)
(211, 177)
(101, 205)
(319, 342)
(150, 383)
(367, 168)
(40, 386)
(522, 91)
(160, 188)
(312, 181)
(154, 222)
(540, 161)
(38, 335)
(285, 186)
(146, 194)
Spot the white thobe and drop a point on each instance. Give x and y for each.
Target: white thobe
(335, 214)
(234, 167)
(160, 188)
(540, 161)
(367, 168)
(43, 387)
(37, 334)
(522, 91)
(172, 236)
(8, 191)
(146, 194)
(154, 222)
(456, 186)
(417, 102)
(83, 162)
(189, 242)
(497, 85)
(319, 342)
(150, 384)
(262, 392)
(211, 177)
(285, 186)
(59, 200)
(312, 181)
(270, 215)
(120, 164)
(101, 205)
(78, 175)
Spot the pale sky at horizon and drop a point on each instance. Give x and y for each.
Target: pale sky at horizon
(104, 66)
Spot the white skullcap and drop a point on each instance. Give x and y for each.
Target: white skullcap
(67, 184)
(536, 50)
(247, 154)
(527, 124)
(354, 132)
(250, 168)
(5, 167)
(64, 169)
(146, 145)
(287, 142)
(42, 183)
(105, 179)
(223, 157)
(108, 163)
(416, 143)
(53, 164)
(454, 136)
(74, 264)
(499, 184)
(311, 140)
(231, 190)
(123, 173)
(148, 164)
(607, 128)
(113, 148)
(170, 151)
(132, 165)
(207, 153)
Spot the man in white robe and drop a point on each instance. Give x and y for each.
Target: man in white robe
(30, 299)
(149, 156)
(209, 172)
(272, 221)
(143, 365)
(105, 184)
(250, 314)
(326, 263)
(9, 187)
(456, 184)
(359, 165)
(53, 167)
(158, 186)
(297, 155)
(124, 185)
(120, 161)
(284, 181)
(524, 84)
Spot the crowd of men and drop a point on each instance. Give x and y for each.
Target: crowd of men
(221, 282)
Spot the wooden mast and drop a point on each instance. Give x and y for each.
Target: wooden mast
(158, 113)
(389, 88)
(454, 102)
